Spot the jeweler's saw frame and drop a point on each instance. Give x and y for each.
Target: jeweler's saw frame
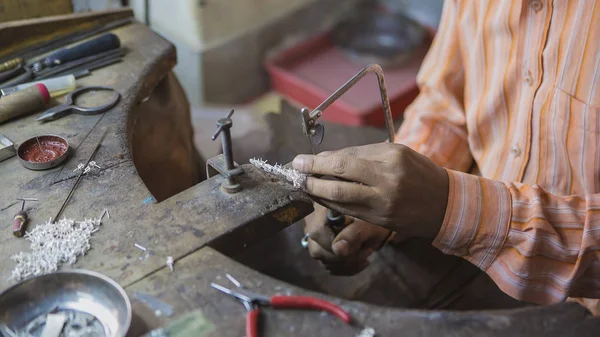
(315, 131)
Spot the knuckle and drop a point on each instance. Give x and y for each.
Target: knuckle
(309, 165)
(351, 151)
(340, 165)
(398, 152)
(337, 193)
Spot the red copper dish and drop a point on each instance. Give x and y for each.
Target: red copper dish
(43, 152)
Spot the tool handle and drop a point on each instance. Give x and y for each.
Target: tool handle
(252, 322)
(304, 302)
(10, 64)
(336, 220)
(21, 78)
(8, 74)
(100, 44)
(23, 102)
(57, 86)
(19, 222)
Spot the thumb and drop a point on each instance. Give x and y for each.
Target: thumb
(348, 241)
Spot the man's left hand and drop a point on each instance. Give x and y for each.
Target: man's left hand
(386, 184)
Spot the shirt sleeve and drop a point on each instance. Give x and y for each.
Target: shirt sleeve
(536, 246)
(434, 124)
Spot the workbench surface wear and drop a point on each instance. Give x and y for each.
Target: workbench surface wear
(148, 181)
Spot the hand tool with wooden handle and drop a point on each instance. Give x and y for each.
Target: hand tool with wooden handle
(10, 64)
(24, 102)
(56, 86)
(98, 45)
(20, 219)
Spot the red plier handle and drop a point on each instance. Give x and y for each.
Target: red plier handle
(303, 302)
(252, 317)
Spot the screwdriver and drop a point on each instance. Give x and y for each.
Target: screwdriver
(20, 219)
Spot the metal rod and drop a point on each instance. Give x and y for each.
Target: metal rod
(385, 102)
(86, 61)
(233, 280)
(62, 208)
(227, 148)
(39, 145)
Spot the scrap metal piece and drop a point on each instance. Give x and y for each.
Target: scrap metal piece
(367, 332)
(297, 178)
(7, 148)
(170, 262)
(5, 331)
(54, 325)
(154, 303)
(233, 280)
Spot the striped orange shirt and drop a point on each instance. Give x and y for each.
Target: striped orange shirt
(513, 89)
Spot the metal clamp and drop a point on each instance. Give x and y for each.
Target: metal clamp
(315, 131)
(223, 164)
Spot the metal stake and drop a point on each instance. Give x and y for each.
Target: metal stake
(224, 128)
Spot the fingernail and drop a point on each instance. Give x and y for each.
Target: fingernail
(341, 248)
(298, 162)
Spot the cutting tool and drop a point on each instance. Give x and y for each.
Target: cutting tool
(316, 131)
(253, 301)
(69, 106)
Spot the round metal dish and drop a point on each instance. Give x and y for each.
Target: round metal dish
(372, 36)
(74, 290)
(33, 142)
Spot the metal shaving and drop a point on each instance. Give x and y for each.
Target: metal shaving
(53, 244)
(366, 332)
(292, 175)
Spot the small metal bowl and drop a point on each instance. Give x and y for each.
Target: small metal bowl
(80, 291)
(372, 36)
(57, 147)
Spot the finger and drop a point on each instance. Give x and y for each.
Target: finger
(349, 240)
(319, 253)
(368, 152)
(315, 219)
(340, 191)
(338, 165)
(322, 235)
(359, 211)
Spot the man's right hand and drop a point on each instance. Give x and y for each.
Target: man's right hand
(347, 252)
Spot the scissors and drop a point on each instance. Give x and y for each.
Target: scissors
(69, 105)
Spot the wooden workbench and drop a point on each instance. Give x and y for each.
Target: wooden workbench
(141, 146)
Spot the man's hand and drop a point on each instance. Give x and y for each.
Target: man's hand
(347, 252)
(386, 184)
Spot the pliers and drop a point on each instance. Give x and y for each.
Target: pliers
(252, 302)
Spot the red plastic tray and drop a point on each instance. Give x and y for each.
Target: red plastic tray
(312, 70)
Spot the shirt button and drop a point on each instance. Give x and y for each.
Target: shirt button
(537, 5)
(462, 251)
(515, 150)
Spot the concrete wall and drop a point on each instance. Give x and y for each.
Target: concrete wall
(222, 44)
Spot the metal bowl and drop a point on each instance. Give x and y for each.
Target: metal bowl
(372, 36)
(79, 291)
(33, 142)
